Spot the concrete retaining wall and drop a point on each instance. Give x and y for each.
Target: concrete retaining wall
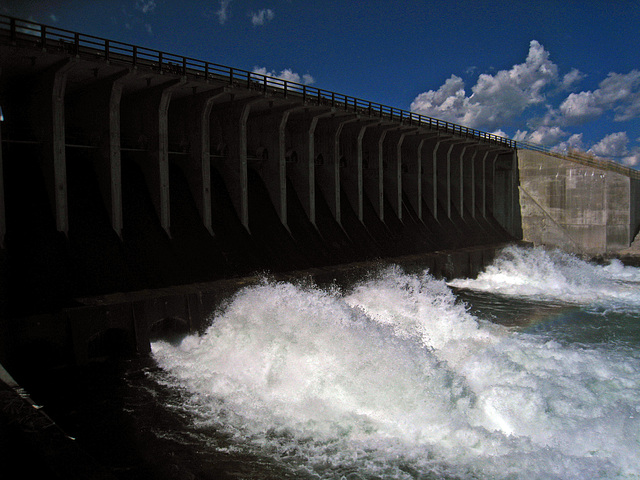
(579, 208)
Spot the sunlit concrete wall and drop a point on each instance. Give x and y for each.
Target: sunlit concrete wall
(579, 208)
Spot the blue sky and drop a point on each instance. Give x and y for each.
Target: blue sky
(565, 74)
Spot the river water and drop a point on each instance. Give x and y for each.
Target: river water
(529, 371)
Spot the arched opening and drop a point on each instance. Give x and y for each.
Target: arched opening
(262, 154)
(291, 156)
(171, 330)
(221, 150)
(343, 161)
(319, 160)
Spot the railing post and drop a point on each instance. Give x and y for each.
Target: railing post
(160, 62)
(231, 76)
(184, 65)
(135, 56)
(206, 70)
(13, 29)
(333, 99)
(106, 50)
(76, 44)
(304, 94)
(264, 83)
(285, 89)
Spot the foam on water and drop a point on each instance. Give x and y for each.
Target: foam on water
(396, 379)
(555, 275)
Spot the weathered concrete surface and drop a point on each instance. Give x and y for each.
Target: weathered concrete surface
(584, 209)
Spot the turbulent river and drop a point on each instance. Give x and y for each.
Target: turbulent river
(532, 370)
(529, 371)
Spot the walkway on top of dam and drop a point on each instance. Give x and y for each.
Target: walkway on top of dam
(46, 40)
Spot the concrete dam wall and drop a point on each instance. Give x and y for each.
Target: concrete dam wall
(581, 205)
(126, 168)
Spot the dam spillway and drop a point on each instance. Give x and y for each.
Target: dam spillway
(126, 168)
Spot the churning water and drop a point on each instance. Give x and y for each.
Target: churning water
(530, 371)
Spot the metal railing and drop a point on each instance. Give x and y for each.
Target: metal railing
(27, 33)
(583, 159)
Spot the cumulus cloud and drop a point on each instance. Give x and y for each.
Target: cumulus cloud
(619, 93)
(543, 135)
(545, 104)
(616, 146)
(571, 78)
(286, 74)
(263, 16)
(613, 145)
(495, 100)
(573, 143)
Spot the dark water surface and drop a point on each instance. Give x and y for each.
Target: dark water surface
(532, 370)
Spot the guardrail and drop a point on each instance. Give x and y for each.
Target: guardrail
(584, 159)
(28, 33)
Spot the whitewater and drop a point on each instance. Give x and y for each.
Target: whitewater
(529, 371)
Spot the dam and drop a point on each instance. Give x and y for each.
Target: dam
(140, 189)
(138, 184)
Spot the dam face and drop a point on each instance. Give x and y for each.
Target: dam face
(127, 169)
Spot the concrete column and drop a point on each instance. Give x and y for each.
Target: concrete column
(392, 168)
(489, 169)
(267, 141)
(351, 147)
(197, 168)
(49, 103)
(458, 173)
(483, 193)
(148, 111)
(469, 183)
(102, 122)
(326, 140)
(373, 157)
(433, 200)
(308, 140)
(412, 167)
(3, 222)
(233, 118)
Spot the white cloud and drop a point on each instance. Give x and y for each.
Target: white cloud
(619, 93)
(286, 74)
(263, 16)
(580, 108)
(616, 146)
(543, 135)
(146, 6)
(495, 99)
(612, 145)
(223, 12)
(571, 78)
(573, 143)
(500, 133)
